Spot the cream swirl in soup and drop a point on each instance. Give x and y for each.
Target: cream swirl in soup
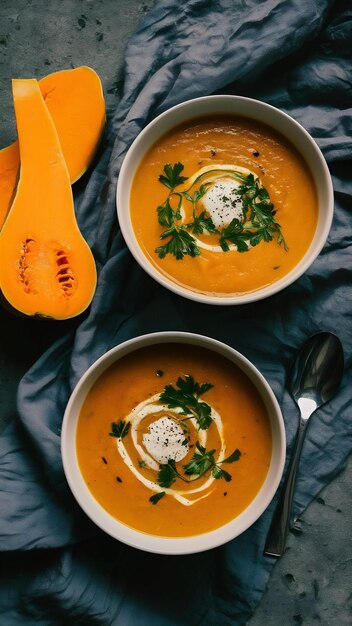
(173, 440)
(216, 205)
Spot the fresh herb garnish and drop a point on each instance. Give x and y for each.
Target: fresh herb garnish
(167, 473)
(180, 244)
(142, 463)
(186, 396)
(156, 497)
(258, 222)
(120, 429)
(202, 461)
(197, 195)
(259, 218)
(218, 472)
(167, 215)
(201, 223)
(236, 234)
(171, 177)
(235, 456)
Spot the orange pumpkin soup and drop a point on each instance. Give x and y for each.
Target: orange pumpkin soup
(174, 440)
(223, 205)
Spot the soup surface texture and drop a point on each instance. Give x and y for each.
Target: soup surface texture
(223, 205)
(173, 440)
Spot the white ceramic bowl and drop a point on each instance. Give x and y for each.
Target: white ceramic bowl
(250, 108)
(152, 543)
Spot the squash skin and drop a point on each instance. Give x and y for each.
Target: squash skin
(76, 103)
(46, 267)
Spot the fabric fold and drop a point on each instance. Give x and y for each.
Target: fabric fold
(293, 55)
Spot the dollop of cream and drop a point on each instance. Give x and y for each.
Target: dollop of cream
(161, 427)
(166, 440)
(221, 201)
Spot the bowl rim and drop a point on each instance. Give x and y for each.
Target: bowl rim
(153, 543)
(247, 105)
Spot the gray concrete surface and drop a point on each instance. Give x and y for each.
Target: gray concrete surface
(311, 584)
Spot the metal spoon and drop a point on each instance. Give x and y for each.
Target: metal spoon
(315, 378)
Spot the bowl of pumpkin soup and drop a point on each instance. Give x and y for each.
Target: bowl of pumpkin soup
(224, 199)
(173, 443)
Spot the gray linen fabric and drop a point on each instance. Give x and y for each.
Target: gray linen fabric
(61, 569)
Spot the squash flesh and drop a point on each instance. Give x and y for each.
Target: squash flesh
(46, 266)
(76, 104)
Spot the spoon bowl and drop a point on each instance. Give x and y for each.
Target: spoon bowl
(317, 371)
(315, 379)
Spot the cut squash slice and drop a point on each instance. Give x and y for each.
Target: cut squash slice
(46, 266)
(76, 104)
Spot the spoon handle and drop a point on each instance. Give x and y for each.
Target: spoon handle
(276, 539)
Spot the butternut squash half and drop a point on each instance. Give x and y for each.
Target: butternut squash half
(76, 103)
(46, 266)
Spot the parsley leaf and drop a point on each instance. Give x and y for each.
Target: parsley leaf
(258, 218)
(167, 473)
(257, 224)
(200, 462)
(197, 195)
(189, 386)
(171, 177)
(259, 212)
(167, 215)
(235, 234)
(218, 472)
(181, 243)
(156, 497)
(120, 429)
(186, 396)
(235, 456)
(203, 415)
(203, 222)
